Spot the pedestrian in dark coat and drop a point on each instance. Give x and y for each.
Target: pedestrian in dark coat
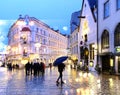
(36, 65)
(31, 67)
(42, 68)
(61, 67)
(27, 68)
(50, 65)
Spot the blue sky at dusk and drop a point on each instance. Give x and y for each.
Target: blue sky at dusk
(55, 13)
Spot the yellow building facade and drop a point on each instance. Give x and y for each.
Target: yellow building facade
(29, 39)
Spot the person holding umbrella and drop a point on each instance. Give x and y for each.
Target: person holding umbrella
(61, 67)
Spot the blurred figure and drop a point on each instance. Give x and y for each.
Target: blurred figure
(9, 66)
(50, 65)
(42, 68)
(31, 67)
(17, 66)
(27, 68)
(61, 67)
(36, 68)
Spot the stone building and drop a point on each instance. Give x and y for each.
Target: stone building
(30, 39)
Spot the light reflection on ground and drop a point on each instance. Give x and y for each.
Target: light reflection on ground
(76, 83)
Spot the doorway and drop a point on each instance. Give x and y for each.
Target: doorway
(118, 64)
(105, 63)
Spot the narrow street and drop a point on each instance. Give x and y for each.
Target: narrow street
(76, 83)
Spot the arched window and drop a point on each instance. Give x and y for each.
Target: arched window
(117, 36)
(105, 39)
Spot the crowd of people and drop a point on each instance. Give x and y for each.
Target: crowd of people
(11, 66)
(35, 68)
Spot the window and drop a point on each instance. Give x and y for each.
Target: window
(81, 52)
(106, 9)
(91, 51)
(117, 36)
(105, 39)
(118, 4)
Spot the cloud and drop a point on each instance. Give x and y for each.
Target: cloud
(65, 28)
(2, 22)
(4, 28)
(2, 47)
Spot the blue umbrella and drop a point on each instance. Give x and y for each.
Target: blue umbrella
(59, 60)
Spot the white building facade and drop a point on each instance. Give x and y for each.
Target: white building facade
(87, 36)
(30, 39)
(74, 27)
(74, 44)
(109, 35)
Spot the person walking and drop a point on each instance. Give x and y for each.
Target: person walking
(42, 68)
(36, 68)
(50, 65)
(61, 67)
(31, 67)
(27, 68)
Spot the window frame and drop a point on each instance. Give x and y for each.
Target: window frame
(117, 7)
(105, 6)
(105, 40)
(117, 36)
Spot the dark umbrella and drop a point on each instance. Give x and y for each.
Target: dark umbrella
(59, 60)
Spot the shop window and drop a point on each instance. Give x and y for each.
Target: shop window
(105, 39)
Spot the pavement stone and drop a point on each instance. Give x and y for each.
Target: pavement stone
(76, 83)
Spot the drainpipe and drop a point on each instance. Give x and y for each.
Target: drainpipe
(97, 36)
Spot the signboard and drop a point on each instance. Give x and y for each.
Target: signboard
(117, 49)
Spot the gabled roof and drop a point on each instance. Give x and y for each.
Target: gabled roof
(92, 3)
(93, 6)
(75, 21)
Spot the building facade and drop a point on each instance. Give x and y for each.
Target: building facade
(30, 39)
(109, 35)
(74, 44)
(74, 26)
(87, 36)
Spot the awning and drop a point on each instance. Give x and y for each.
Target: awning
(117, 54)
(106, 53)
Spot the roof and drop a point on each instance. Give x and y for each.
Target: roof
(92, 3)
(93, 6)
(75, 21)
(25, 29)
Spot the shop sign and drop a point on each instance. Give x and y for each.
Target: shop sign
(117, 49)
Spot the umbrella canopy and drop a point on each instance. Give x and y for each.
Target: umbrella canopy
(59, 60)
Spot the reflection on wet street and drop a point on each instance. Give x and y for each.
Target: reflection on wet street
(76, 83)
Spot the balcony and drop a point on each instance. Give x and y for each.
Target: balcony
(25, 54)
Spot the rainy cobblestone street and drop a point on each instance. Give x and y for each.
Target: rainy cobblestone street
(76, 83)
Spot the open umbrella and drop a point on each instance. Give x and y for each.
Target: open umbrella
(59, 60)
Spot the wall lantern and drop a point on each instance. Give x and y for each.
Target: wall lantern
(91, 63)
(111, 62)
(80, 63)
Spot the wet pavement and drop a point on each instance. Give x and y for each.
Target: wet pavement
(76, 83)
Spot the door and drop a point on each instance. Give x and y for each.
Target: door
(105, 63)
(118, 64)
